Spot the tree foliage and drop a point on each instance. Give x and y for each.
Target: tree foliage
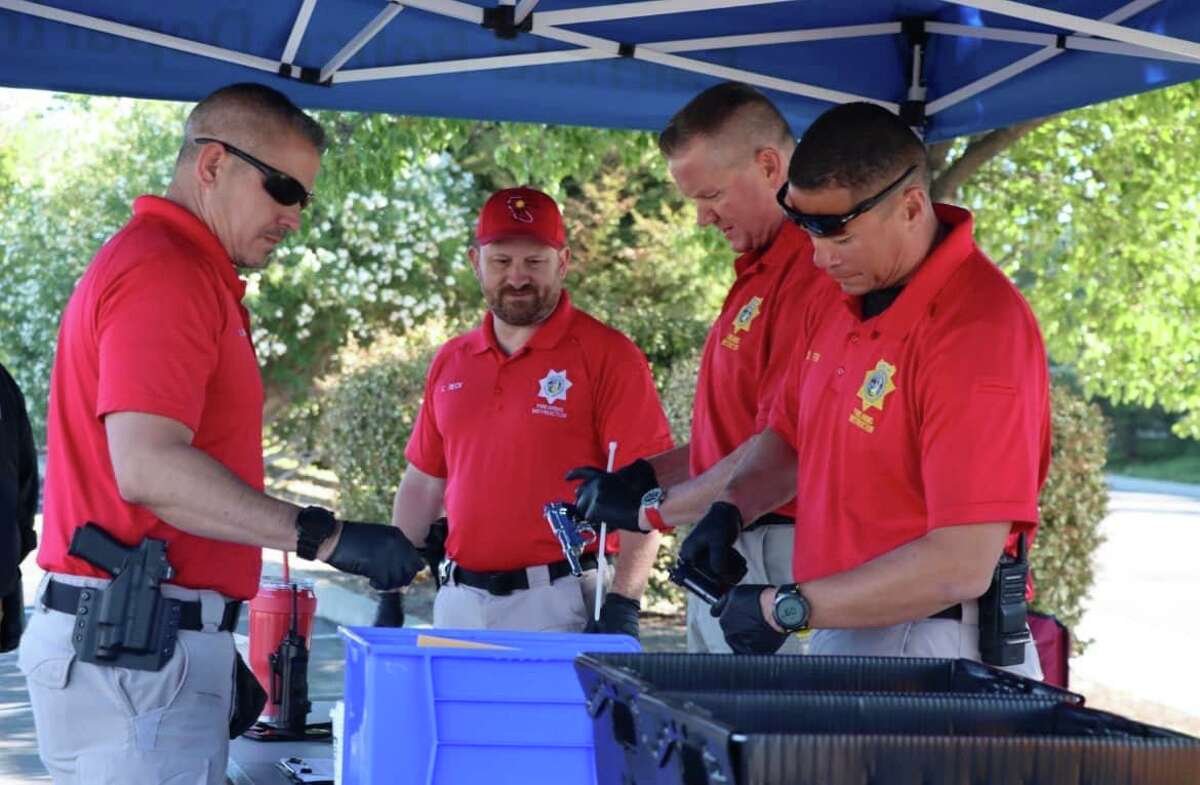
(1094, 214)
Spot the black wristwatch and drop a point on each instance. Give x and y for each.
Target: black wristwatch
(791, 609)
(314, 525)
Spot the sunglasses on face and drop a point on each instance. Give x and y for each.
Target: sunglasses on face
(833, 225)
(282, 187)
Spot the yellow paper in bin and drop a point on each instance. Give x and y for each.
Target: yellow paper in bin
(432, 641)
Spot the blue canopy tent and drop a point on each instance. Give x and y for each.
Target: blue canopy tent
(953, 67)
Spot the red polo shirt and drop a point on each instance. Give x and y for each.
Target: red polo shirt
(749, 347)
(504, 430)
(934, 413)
(155, 325)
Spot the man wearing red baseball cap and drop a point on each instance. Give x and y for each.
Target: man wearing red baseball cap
(509, 407)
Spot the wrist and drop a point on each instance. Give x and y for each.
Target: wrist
(314, 527)
(766, 604)
(651, 511)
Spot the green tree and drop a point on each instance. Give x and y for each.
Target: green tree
(1093, 213)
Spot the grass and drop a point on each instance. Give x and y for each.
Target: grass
(1184, 467)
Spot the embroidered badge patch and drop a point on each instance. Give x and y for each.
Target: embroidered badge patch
(519, 209)
(742, 322)
(553, 387)
(876, 385)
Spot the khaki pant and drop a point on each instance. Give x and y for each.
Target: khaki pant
(101, 724)
(562, 606)
(924, 638)
(768, 552)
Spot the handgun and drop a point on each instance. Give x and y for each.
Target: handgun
(573, 532)
(701, 582)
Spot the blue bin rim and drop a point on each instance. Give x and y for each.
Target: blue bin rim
(523, 645)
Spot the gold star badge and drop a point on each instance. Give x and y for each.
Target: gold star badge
(876, 385)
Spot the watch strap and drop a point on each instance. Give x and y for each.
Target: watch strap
(314, 525)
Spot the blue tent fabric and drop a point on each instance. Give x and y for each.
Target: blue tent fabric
(622, 92)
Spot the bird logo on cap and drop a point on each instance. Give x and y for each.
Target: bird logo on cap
(518, 207)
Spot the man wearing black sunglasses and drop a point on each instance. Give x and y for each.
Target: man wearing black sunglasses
(155, 433)
(727, 151)
(913, 426)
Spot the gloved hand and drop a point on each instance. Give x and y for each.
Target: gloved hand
(618, 616)
(379, 552)
(709, 546)
(746, 631)
(613, 497)
(390, 611)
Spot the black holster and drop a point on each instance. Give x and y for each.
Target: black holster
(127, 623)
(1003, 627)
(249, 698)
(435, 547)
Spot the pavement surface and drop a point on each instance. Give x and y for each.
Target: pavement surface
(1143, 618)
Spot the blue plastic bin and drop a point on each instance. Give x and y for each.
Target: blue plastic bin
(453, 716)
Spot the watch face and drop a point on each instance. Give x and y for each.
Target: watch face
(653, 497)
(791, 612)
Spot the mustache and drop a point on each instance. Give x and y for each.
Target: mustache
(278, 235)
(528, 289)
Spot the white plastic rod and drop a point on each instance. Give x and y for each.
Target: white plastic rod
(600, 562)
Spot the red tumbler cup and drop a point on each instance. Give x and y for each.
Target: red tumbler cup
(270, 619)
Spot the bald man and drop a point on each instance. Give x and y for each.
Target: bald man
(728, 151)
(155, 434)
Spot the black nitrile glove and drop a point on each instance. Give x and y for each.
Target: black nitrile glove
(390, 611)
(746, 631)
(377, 551)
(709, 546)
(619, 616)
(613, 497)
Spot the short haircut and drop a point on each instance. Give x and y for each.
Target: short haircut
(248, 113)
(728, 107)
(857, 146)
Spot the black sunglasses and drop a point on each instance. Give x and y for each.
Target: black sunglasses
(282, 187)
(832, 225)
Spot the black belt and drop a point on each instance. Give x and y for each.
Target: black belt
(771, 519)
(506, 582)
(954, 613)
(64, 597)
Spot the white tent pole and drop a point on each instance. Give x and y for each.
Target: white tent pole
(524, 9)
(361, 39)
(299, 27)
(771, 39)
(972, 89)
(605, 13)
(140, 34)
(1078, 42)
(452, 8)
(1082, 24)
(472, 64)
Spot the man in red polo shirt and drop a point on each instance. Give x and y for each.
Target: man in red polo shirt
(539, 387)
(727, 151)
(913, 427)
(154, 433)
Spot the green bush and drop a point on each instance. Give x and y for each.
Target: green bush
(1073, 503)
(367, 415)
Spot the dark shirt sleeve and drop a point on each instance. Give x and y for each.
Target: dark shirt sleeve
(18, 482)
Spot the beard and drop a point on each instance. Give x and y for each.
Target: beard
(522, 307)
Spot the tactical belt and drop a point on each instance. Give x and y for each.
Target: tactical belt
(954, 612)
(64, 597)
(506, 582)
(770, 519)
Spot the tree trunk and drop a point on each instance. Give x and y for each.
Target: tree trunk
(981, 150)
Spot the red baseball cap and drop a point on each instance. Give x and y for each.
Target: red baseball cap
(521, 212)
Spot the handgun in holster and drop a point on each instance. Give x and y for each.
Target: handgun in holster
(703, 583)
(573, 532)
(435, 548)
(127, 623)
(1003, 628)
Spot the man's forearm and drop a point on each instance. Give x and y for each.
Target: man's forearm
(687, 501)
(193, 492)
(947, 566)
(764, 478)
(419, 501)
(634, 563)
(671, 467)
